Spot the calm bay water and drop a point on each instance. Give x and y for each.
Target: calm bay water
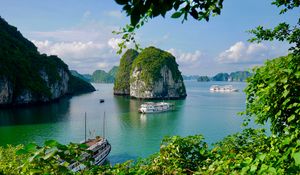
(131, 134)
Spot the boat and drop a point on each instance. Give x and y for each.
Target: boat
(99, 149)
(226, 88)
(151, 107)
(101, 100)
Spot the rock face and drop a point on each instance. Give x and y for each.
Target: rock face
(28, 77)
(6, 90)
(155, 75)
(121, 84)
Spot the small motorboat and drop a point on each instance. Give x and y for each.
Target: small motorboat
(101, 100)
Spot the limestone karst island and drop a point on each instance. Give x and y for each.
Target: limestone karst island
(153, 87)
(151, 74)
(28, 77)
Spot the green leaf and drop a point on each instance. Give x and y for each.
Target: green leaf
(291, 118)
(30, 147)
(51, 143)
(176, 15)
(296, 157)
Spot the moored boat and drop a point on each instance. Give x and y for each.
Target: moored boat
(226, 88)
(151, 107)
(99, 147)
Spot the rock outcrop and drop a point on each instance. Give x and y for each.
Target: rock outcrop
(121, 84)
(28, 77)
(155, 75)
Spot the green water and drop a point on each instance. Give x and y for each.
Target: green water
(131, 134)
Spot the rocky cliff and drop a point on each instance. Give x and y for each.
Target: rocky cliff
(28, 77)
(155, 75)
(121, 84)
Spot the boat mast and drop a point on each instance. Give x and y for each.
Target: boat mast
(103, 132)
(85, 127)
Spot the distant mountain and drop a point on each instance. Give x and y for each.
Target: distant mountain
(220, 77)
(82, 77)
(237, 76)
(190, 77)
(88, 77)
(203, 79)
(100, 76)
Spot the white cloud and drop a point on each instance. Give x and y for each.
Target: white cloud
(70, 49)
(186, 57)
(247, 53)
(113, 43)
(187, 61)
(115, 14)
(87, 14)
(84, 48)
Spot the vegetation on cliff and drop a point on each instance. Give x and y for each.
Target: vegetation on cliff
(113, 71)
(151, 60)
(121, 83)
(79, 86)
(23, 66)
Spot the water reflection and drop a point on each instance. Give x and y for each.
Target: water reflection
(47, 113)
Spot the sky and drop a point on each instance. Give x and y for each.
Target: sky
(80, 33)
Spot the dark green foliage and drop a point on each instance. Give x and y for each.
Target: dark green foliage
(220, 77)
(203, 79)
(141, 11)
(121, 83)
(273, 94)
(197, 9)
(79, 86)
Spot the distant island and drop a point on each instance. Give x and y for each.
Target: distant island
(190, 77)
(151, 74)
(28, 77)
(98, 76)
(238, 76)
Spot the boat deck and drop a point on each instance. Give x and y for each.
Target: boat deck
(91, 142)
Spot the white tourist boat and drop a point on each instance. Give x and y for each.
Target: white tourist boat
(226, 88)
(151, 107)
(99, 148)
